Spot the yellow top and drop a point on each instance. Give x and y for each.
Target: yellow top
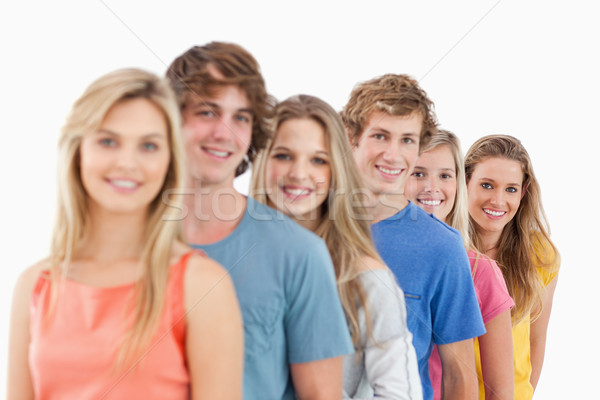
(521, 331)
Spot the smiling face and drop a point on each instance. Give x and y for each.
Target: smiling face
(387, 150)
(217, 133)
(124, 162)
(432, 185)
(495, 191)
(298, 174)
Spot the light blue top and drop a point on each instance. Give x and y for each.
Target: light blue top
(285, 284)
(432, 268)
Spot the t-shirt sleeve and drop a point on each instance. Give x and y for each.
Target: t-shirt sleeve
(490, 287)
(544, 253)
(455, 311)
(315, 323)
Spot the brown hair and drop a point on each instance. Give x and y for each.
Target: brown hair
(397, 95)
(527, 231)
(190, 74)
(343, 225)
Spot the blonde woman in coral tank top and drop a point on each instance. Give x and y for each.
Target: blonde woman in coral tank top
(122, 309)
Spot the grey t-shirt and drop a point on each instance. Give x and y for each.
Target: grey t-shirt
(388, 366)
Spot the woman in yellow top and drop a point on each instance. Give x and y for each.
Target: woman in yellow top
(508, 224)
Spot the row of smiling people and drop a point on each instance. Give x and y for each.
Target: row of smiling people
(369, 260)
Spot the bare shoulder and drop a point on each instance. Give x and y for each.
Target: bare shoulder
(370, 263)
(25, 283)
(208, 288)
(30, 275)
(203, 272)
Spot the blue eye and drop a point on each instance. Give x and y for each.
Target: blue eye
(205, 113)
(281, 156)
(446, 176)
(407, 140)
(319, 161)
(486, 186)
(242, 118)
(107, 142)
(149, 146)
(511, 190)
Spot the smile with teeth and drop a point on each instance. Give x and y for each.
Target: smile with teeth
(295, 191)
(124, 183)
(430, 202)
(217, 153)
(494, 213)
(389, 171)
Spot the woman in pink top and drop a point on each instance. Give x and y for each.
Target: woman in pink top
(122, 309)
(437, 185)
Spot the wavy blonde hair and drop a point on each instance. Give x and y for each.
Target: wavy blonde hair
(343, 224)
(528, 229)
(71, 220)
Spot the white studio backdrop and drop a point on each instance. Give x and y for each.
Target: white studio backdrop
(528, 69)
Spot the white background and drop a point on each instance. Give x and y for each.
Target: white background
(528, 69)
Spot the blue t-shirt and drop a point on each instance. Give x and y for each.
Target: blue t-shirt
(432, 268)
(285, 284)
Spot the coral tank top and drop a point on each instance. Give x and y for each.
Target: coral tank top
(74, 355)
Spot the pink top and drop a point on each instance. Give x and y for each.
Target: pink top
(73, 356)
(493, 298)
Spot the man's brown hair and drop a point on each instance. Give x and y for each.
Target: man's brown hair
(190, 73)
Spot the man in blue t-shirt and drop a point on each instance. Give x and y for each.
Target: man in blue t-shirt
(294, 325)
(387, 118)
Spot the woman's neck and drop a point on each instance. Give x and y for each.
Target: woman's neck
(489, 242)
(309, 223)
(113, 236)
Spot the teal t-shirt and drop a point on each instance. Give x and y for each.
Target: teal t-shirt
(285, 284)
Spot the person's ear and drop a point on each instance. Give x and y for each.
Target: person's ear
(524, 190)
(350, 137)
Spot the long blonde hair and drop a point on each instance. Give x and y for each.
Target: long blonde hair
(71, 220)
(342, 225)
(528, 229)
(458, 217)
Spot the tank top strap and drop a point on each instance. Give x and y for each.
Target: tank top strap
(40, 289)
(176, 297)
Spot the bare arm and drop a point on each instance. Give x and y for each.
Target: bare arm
(215, 337)
(497, 364)
(320, 379)
(19, 385)
(459, 375)
(537, 338)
